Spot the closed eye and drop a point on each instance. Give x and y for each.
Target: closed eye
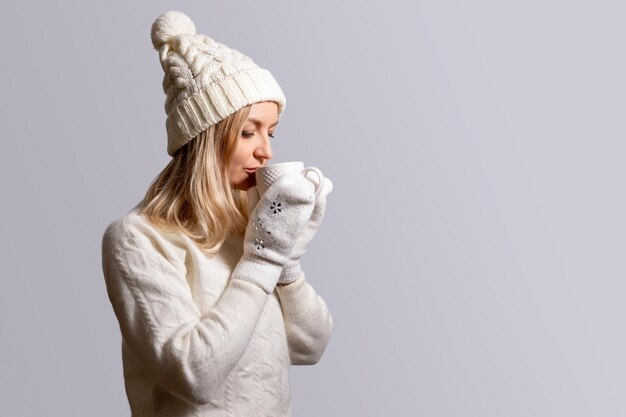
(249, 133)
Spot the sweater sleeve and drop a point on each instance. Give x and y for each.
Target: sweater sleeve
(187, 353)
(308, 322)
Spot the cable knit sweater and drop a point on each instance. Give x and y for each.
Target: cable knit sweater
(195, 342)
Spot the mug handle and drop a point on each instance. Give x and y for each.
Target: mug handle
(320, 176)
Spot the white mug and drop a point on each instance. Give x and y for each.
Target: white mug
(266, 175)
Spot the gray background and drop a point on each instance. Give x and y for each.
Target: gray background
(473, 249)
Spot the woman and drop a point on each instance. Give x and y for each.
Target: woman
(210, 318)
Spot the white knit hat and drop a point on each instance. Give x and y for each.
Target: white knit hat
(205, 81)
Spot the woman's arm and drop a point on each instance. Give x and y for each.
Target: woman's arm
(308, 323)
(188, 354)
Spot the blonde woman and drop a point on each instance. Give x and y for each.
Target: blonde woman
(203, 275)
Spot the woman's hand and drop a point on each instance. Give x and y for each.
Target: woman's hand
(274, 226)
(292, 269)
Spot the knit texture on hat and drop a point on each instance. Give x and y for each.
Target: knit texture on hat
(205, 81)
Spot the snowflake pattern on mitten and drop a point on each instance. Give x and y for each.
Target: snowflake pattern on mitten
(266, 222)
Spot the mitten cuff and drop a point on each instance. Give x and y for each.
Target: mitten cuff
(291, 272)
(258, 271)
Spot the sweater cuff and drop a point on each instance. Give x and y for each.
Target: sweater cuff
(291, 295)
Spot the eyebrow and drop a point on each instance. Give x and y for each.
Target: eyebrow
(257, 121)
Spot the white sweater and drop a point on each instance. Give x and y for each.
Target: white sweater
(195, 342)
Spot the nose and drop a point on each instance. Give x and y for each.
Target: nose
(264, 150)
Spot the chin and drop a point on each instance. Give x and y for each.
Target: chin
(246, 184)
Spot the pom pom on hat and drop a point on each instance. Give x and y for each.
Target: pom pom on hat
(169, 25)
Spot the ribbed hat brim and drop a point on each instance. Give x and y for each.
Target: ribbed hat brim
(218, 101)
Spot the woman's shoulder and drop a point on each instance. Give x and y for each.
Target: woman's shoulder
(134, 231)
(132, 246)
(131, 226)
(120, 224)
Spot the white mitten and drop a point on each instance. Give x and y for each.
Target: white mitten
(292, 269)
(274, 226)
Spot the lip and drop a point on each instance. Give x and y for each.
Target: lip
(250, 170)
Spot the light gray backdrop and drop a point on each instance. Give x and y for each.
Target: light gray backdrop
(473, 249)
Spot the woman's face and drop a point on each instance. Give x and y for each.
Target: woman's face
(253, 146)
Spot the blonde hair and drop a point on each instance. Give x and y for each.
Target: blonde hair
(193, 193)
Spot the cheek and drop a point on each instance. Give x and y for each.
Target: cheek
(243, 153)
(240, 158)
(238, 161)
